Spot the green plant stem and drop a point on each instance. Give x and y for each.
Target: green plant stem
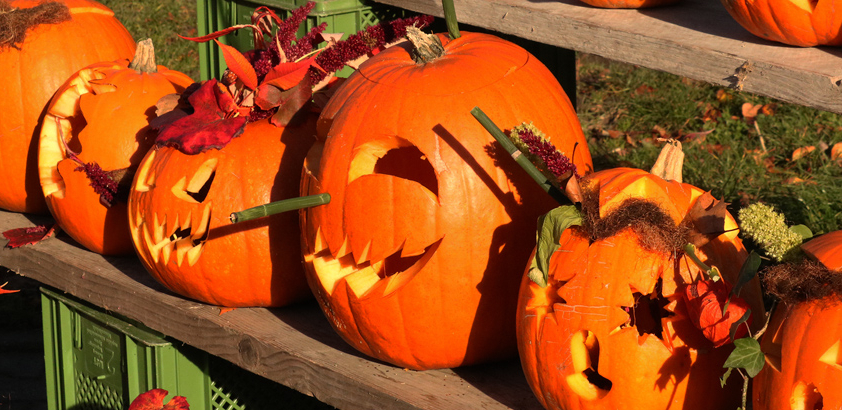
(277, 207)
(450, 19)
(518, 156)
(713, 272)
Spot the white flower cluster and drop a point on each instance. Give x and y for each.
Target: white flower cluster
(768, 229)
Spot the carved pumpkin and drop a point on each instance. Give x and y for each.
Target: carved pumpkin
(33, 71)
(179, 208)
(803, 345)
(426, 219)
(102, 114)
(802, 23)
(610, 330)
(628, 4)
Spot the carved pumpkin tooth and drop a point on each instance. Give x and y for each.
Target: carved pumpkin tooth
(166, 251)
(182, 246)
(188, 221)
(194, 253)
(172, 227)
(329, 270)
(150, 245)
(319, 244)
(159, 228)
(344, 249)
(204, 223)
(362, 280)
(363, 256)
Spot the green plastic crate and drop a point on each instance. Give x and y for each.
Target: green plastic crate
(341, 16)
(98, 361)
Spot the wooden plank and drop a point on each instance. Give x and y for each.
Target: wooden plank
(697, 39)
(294, 346)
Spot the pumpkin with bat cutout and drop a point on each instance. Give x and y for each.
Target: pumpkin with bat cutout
(803, 343)
(33, 71)
(611, 328)
(428, 217)
(100, 118)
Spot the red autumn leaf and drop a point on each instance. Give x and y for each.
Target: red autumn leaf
(239, 65)
(211, 125)
(216, 34)
(288, 75)
(3, 291)
(154, 400)
(27, 236)
(705, 301)
(802, 152)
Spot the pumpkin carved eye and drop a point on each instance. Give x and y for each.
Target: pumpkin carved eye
(396, 157)
(805, 396)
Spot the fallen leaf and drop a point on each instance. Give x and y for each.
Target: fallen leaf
(644, 89)
(224, 310)
(769, 109)
(836, 152)
(154, 400)
(722, 95)
(711, 113)
(802, 152)
(659, 131)
(4, 291)
(27, 236)
(793, 180)
(696, 137)
(750, 111)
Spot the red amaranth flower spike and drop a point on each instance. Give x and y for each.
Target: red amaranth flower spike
(100, 181)
(370, 40)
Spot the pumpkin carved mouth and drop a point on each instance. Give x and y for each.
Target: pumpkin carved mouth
(367, 278)
(184, 235)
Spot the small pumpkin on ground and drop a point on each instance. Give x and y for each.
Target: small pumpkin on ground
(613, 311)
(94, 134)
(48, 42)
(803, 344)
(240, 143)
(803, 23)
(428, 217)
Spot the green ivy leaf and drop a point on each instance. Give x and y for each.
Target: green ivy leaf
(746, 355)
(802, 230)
(736, 325)
(724, 379)
(550, 227)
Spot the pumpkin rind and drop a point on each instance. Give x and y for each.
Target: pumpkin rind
(449, 209)
(628, 4)
(102, 112)
(50, 54)
(589, 286)
(248, 264)
(803, 345)
(795, 22)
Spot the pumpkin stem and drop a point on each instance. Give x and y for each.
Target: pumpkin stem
(518, 156)
(277, 207)
(426, 47)
(670, 162)
(144, 57)
(450, 19)
(15, 22)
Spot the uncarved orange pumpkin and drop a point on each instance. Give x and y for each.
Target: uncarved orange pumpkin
(610, 330)
(179, 209)
(411, 260)
(802, 23)
(101, 113)
(803, 345)
(49, 55)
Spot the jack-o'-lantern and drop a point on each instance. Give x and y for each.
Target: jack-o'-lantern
(802, 23)
(100, 118)
(179, 211)
(427, 219)
(612, 328)
(803, 344)
(61, 38)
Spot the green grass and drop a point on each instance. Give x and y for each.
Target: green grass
(163, 21)
(623, 109)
